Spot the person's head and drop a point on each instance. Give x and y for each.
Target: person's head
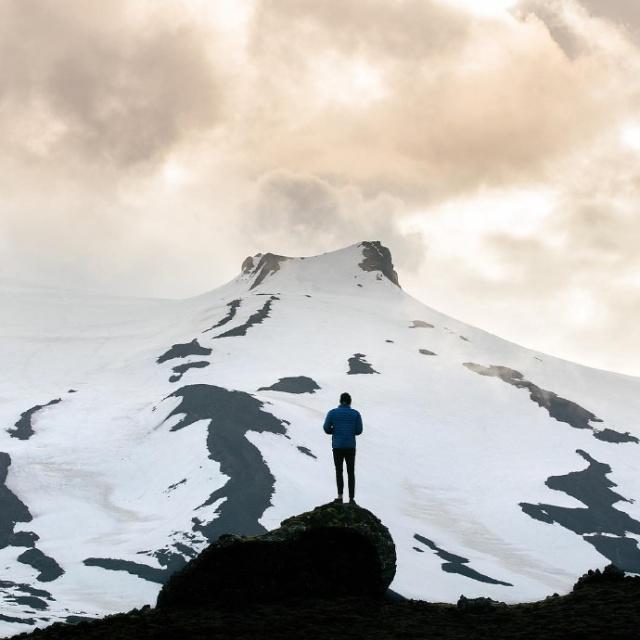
(345, 399)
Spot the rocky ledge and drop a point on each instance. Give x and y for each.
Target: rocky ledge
(333, 551)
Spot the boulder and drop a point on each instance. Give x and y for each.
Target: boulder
(335, 550)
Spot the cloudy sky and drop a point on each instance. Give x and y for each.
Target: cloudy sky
(147, 147)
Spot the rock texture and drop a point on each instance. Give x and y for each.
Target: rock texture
(333, 551)
(261, 266)
(376, 257)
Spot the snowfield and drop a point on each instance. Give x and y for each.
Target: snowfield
(500, 471)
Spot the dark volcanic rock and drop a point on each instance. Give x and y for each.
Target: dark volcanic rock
(293, 384)
(49, 569)
(598, 521)
(250, 485)
(180, 369)
(255, 318)
(358, 365)
(192, 348)
(457, 564)
(267, 265)
(23, 429)
(333, 551)
(378, 258)
(12, 509)
(610, 435)
(561, 409)
(232, 309)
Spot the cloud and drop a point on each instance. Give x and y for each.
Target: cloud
(623, 13)
(566, 282)
(295, 213)
(459, 101)
(86, 82)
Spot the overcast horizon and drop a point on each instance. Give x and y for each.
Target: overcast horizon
(494, 147)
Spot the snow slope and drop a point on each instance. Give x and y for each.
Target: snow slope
(135, 431)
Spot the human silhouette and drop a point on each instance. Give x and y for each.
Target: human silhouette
(343, 424)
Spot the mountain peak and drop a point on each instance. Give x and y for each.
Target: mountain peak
(262, 265)
(377, 257)
(370, 256)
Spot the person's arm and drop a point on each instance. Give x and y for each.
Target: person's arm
(358, 423)
(328, 423)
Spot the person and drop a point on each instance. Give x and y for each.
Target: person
(343, 424)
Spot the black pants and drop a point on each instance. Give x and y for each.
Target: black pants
(350, 456)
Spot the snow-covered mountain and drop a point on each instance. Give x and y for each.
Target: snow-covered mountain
(135, 431)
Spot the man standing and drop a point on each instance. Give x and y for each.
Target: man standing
(344, 424)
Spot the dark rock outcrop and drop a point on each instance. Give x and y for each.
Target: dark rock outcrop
(359, 365)
(333, 551)
(23, 429)
(261, 266)
(185, 350)
(594, 577)
(376, 257)
(478, 605)
(559, 408)
(293, 384)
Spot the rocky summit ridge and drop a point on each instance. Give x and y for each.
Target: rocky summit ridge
(335, 550)
(367, 256)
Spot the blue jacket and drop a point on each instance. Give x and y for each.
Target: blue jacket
(344, 424)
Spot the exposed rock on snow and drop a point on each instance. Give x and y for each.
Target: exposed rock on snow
(378, 258)
(261, 266)
(248, 491)
(49, 570)
(602, 525)
(232, 307)
(358, 365)
(23, 428)
(180, 369)
(185, 350)
(12, 509)
(231, 415)
(457, 564)
(561, 409)
(611, 435)
(294, 384)
(333, 551)
(256, 318)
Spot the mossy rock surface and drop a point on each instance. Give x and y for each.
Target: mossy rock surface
(333, 551)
